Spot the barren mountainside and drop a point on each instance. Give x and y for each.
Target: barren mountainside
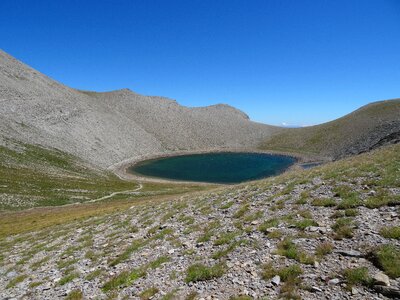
(106, 128)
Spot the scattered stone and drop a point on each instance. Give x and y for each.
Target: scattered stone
(350, 253)
(381, 279)
(354, 291)
(334, 281)
(388, 291)
(276, 280)
(316, 289)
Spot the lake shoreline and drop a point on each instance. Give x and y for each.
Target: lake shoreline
(121, 169)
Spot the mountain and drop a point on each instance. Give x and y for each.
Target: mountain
(106, 128)
(71, 229)
(367, 128)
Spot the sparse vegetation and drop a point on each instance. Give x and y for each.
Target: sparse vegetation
(75, 295)
(324, 249)
(303, 224)
(387, 258)
(390, 232)
(125, 278)
(290, 250)
(268, 224)
(13, 282)
(357, 276)
(146, 233)
(325, 202)
(200, 272)
(148, 293)
(343, 228)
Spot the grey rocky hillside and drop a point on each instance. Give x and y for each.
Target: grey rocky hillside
(106, 128)
(332, 232)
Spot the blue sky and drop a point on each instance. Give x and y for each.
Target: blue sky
(281, 61)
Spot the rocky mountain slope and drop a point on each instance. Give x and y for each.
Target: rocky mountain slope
(367, 128)
(327, 233)
(106, 128)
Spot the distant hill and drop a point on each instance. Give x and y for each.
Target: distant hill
(367, 128)
(106, 128)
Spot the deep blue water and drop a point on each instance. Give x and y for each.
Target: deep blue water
(225, 167)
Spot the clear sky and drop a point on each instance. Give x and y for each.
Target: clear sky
(298, 62)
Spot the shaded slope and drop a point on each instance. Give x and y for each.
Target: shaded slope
(369, 127)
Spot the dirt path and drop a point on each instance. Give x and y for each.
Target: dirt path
(117, 193)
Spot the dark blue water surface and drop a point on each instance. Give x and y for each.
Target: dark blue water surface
(225, 167)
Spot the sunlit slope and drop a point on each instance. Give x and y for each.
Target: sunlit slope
(369, 127)
(338, 221)
(32, 176)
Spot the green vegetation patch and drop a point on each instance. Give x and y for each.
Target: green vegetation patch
(290, 250)
(123, 279)
(285, 273)
(200, 272)
(323, 249)
(390, 232)
(148, 293)
(75, 295)
(357, 276)
(303, 224)
(13, 282)
(343, 228)
(273, 222)
(325, 202)
(387, 258)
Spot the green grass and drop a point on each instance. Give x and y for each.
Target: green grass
(200, 272)
(290, 277)
(231, 247)
(350, 199)
(382, 199)
(357, 276)
(136, 245)
(390, 232)
(68, 278)
(289, 249)
(95, 274)
(241, 211)
(158, 262)
(148, 293)
(323, 249)
(303, 224)
(34, 284)
(387, 258)
(325, 202)
(242, 297)
(47, 178)
(225, 238)
(343, 228)
(13, 282)
(276, 234)
(75, 295)
(227, 205)
(123, 279)
(273, 222)
(285, 273)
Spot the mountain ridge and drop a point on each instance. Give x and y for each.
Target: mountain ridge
(108, 127)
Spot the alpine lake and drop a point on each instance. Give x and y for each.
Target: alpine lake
(220, 168)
